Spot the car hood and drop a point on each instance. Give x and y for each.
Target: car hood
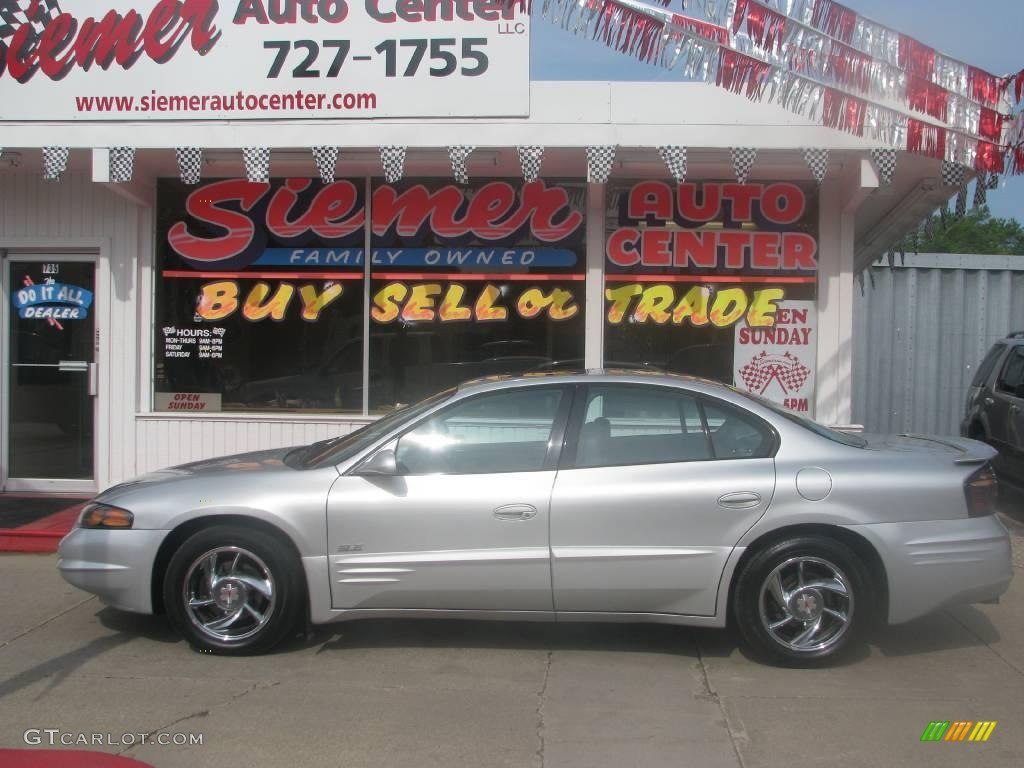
(960, 450)
(261, 462)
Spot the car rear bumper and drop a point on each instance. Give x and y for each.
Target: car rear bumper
(116, 566)
(937, 563)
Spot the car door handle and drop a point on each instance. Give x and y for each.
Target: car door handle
(989, 401)
(740, 500)
(516, 512)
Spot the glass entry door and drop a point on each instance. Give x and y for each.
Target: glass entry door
(49, 381)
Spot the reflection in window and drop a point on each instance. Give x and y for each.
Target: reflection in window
(501, 432)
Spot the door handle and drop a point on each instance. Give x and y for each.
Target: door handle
(516, 512)
(742, 500)
(989, 401)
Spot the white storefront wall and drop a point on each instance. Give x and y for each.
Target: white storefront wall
(116, 222)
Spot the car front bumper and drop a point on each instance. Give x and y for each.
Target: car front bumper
(937, 563)
(116, 566)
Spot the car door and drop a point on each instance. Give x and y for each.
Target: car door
(656, 487)
(1005, 417)
(463, 524)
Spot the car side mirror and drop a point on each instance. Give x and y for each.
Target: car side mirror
(382, 464)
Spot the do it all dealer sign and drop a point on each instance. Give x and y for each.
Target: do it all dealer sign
(262, 59)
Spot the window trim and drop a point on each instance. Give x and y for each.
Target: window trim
(581, 401)
(555, 439)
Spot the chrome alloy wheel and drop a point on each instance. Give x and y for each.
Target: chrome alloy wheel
(229, 594)
(806, 604)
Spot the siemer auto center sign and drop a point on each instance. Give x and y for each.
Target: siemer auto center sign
(262, 59)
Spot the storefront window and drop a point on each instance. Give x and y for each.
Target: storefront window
(471, 281)
(259, 296)
(715, 280)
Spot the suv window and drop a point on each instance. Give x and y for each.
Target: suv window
(1012, 375)
(987, 365)
(505, 431)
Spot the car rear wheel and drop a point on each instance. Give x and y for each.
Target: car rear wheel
(233, 591)
(802, 601)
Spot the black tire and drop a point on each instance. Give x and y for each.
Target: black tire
(266, 575)
(753, 609)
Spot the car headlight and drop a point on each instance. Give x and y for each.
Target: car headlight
(96, 515)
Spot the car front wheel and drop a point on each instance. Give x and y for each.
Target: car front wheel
(803, 601)
(233, 591)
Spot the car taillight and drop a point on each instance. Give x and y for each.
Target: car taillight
(981, 490)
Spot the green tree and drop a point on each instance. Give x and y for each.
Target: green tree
(978, 232)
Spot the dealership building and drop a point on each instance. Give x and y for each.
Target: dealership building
(178, 286)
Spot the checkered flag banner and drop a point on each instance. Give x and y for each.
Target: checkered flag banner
(55, 162)
(980, 191)
(786, 369)
(326, 160)
(122, 164)
(599, 163)
(257, 163)
(742, 161)
(953, 174)
(190, 164)
(393, 161)
(885, 163)
(961, 203)
(458, 155)
(530, 159)
(993, 181)
(15, 13)
(675, 159)
(817, 161)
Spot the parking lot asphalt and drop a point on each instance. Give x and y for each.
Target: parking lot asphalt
(481, 694)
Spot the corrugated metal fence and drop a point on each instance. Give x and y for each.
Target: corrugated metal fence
(920, 330)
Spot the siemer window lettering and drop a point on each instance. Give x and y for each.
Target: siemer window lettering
(259, 301)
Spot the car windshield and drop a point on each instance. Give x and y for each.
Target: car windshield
(845, 438)
(338, 449)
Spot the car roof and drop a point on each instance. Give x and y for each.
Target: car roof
(587, 376)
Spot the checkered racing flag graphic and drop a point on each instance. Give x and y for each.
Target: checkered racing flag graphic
(993, 181)
(122, 164)
(742, 161)
(817, 161)
(980, 191)
(961, 203)
(458, 155)
(257, 163)
(599, 163)
(530, 159)
(15, 13)
(326, 160)
(953, 174)
(785, 369)
(55, 162)
(190, 164)
(393, 161)
(675, 160)
(885, 163)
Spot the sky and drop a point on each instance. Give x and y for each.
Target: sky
(985, 33)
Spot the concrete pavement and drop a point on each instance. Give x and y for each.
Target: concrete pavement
(478, 694)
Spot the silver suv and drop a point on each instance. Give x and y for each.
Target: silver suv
(995, 407)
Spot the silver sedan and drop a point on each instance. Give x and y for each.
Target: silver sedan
(582, 497)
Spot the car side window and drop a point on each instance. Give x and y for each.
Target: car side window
(1012, 376)
(628, 425)
(735, 434)
(987, 365)
(505, 431)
